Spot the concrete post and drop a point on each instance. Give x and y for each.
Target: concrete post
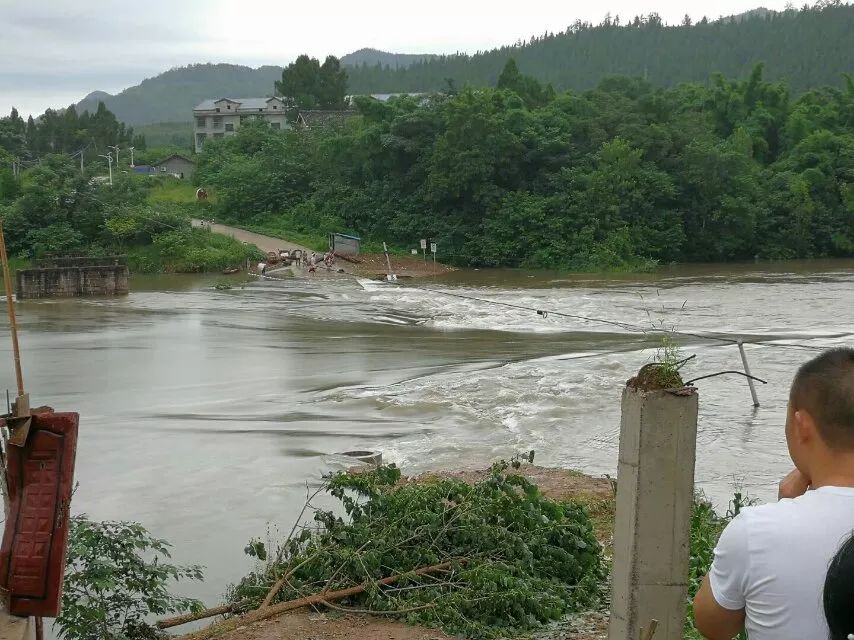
(655, 495)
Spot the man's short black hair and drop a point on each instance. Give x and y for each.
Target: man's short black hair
(824, 387)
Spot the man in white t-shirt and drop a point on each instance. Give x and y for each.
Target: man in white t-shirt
(771, 560)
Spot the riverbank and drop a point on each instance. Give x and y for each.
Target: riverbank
(192, 250)
(373, 265)
(596, 495)
(368, 265)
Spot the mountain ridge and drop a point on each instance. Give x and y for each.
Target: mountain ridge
(809, 47)
(373, 57)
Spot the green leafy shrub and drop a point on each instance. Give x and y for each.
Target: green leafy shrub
(191, 251)
(517, 559)
(117, 575)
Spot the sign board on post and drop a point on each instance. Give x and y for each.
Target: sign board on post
(415, 252)
(423, 243)
(433, 247)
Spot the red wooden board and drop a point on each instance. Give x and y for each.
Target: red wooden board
(35, 538)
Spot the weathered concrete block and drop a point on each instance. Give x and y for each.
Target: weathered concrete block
(655, 495)
(69, 277)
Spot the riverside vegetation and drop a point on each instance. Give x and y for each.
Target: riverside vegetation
(516, 560)
(625, 176)
(56, 210)
(54, 207)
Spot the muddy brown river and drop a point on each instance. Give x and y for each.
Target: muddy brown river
(204, 412)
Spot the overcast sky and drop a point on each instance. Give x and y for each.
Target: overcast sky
(54, 52)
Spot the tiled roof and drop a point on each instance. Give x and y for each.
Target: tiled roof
(322, 118)
(174, 155)
(245, 103)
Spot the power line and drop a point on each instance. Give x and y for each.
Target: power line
(545, 313)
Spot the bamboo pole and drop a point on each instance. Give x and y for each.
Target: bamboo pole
(318, 598)
(10, 306)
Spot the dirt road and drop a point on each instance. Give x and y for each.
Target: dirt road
(264, 243)
(368, 265)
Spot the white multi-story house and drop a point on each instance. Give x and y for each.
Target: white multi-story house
(221, 117)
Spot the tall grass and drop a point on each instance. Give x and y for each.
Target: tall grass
(175, 191)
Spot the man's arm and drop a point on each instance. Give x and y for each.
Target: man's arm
(794, 485)
(719, 607)
(712, 620)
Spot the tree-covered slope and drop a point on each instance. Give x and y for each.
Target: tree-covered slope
(809, 48)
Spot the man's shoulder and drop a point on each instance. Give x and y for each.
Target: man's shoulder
(780, 511)
(786, 518)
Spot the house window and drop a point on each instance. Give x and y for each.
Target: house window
(276, 125)
(217, 122)
(201, 122)
(275, 106)
(229, 127)
(217, 109)
(200, 139)
(229, 107)
(261, 110)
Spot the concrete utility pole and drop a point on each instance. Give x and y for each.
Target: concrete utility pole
(655, 497)
(131, 156)
(116, 149)
(109, 158)
(81, 154)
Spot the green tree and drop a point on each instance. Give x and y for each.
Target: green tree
(526, 87)
(311, 85)
(621, 176)
(332, 84)
(118, 575)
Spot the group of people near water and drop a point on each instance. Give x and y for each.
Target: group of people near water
(785, 570)
(285, 257)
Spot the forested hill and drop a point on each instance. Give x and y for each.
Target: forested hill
(372, 57)
(808, 48)
(171, 96)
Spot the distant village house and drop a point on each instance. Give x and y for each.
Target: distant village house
(176, 165)
(217, 118)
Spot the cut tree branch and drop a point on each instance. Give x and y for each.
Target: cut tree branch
(219, 628)
(198, 615)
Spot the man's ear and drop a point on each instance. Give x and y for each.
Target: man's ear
(805, 427)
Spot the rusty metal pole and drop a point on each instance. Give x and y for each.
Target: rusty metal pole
(13, 325)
